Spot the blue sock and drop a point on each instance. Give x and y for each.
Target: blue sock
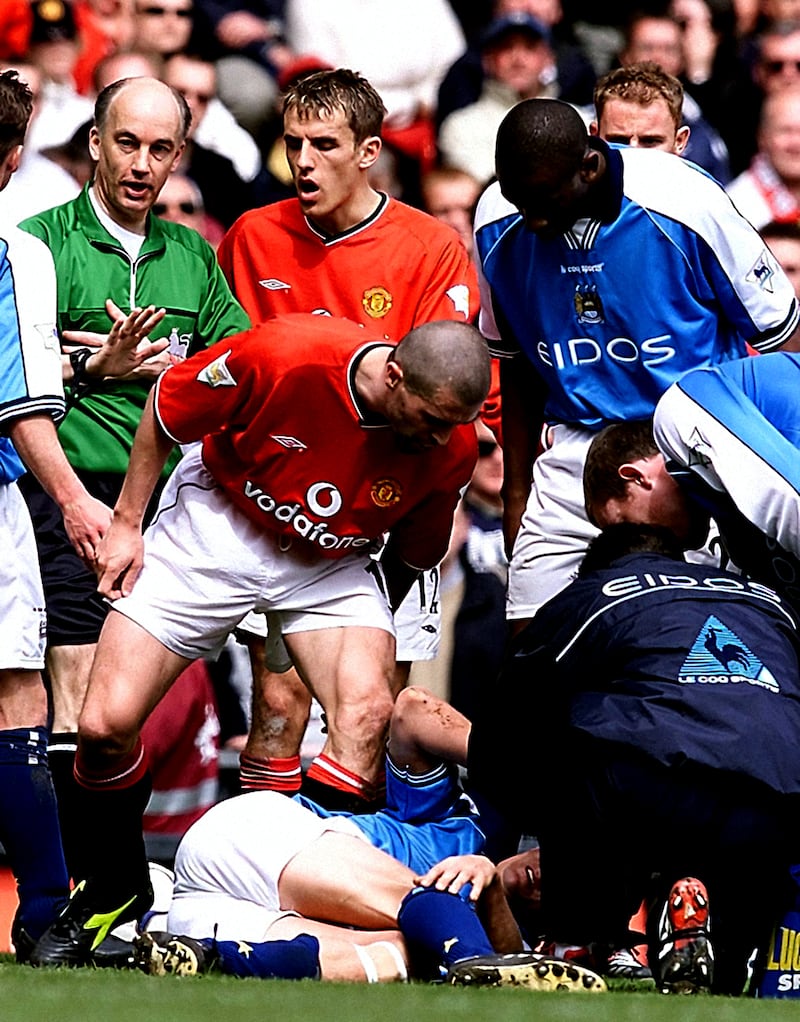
(272, 959)
(444, 924)
(29, 828)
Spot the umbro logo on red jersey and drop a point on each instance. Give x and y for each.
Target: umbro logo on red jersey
(273, 284)
(289, 441)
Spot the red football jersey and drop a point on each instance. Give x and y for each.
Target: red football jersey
(286, 437)
(395, 270)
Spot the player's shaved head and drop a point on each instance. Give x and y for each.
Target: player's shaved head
(548, 167)
(540, 133)
(445, 356)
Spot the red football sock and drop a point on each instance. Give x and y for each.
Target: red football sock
(275, 773)
(328, 771)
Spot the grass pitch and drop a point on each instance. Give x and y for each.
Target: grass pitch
(30, 995)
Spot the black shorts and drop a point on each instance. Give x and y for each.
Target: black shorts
(75, 610)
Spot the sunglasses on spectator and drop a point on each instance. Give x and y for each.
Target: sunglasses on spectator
(160, 208)
(160, 12)
(486, 448)
(774, 67)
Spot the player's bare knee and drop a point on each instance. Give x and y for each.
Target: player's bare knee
(408, 705)
(103, 736)
(365, 720)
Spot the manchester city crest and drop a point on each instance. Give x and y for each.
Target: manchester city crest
(588, 306)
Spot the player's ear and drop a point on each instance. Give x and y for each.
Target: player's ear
(176, 159)
(393, 374)
(631, 472)
(369, 151)
(593, 129)
(94, 143)
(12, 161)
(592, 165)
(682, 138)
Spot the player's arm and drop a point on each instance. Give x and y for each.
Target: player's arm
(522, 415)
(124, 352)
(85, 519)
(119, 559)
(756, 296)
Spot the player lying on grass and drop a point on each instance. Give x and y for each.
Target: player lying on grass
(265, 885)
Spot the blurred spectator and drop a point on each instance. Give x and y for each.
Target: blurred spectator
(403, 49)
(40, 181)
(571, 75)
(181, 201)
(770, 188)
(716, 71)
(472, 589)
(659, 38)
(227, 193)
(182, 736)
(480, 630)
(127, 64)
(777, 63)
(599, 28)
(73, 156)
(245, 39)
(104, 27)
(774, 60)
(450, 195)
(516, 56)
(53, 49)
(214, 128)
(759, 13)
(162, 27)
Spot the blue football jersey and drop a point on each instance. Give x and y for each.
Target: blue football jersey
(611, 313)
(427, 818)
(30, 359)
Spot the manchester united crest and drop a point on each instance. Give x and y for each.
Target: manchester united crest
(377, 302)
(386, 492)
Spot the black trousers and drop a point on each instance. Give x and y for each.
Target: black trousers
(618, 828)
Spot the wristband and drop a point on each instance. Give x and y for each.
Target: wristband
(79, 384)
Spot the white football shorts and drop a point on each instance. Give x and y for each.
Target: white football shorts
(417, 623)
(206, 565)
(555, 531)
(23, 622)
(229, 863)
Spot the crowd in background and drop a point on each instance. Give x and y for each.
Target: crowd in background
(448, 73)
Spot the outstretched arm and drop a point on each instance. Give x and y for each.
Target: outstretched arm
(124, 352)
